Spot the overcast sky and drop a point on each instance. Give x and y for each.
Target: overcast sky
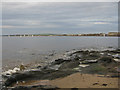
(58, 18)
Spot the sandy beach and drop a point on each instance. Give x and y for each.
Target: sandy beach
(74, 69)
(78, 80)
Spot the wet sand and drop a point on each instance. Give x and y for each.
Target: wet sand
(59, 73)
(78, 80)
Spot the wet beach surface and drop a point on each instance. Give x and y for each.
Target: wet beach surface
(89, 64)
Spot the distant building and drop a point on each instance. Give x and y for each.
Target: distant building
(114, 34)
(102, 34)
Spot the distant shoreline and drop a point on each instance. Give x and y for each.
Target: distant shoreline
(116, 34)
(53, 36)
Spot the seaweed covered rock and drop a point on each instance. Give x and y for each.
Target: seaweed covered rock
(106, 60)
(37, 87)
(69, 65)
(59, 61)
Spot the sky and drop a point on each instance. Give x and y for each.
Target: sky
(59, 18)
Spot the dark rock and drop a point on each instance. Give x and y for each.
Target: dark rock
(33, 54)
(58, 61)
(58, 74)
(75, 57)
(69, 65)
(37, 75)
(95, 83)
(74, 88)
(39, 87)
(51, 54)
(106, 60)
(38, 66)
(104, 84)
(85, 52)
(22, 76)
(116, 51)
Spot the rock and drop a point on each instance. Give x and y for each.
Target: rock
(102, 53)
(117, 69)
(109, 54)
(69, 65)
(51, 54)
(37, 75)
(22, 67)
(10, 72)
(84, 62)
(39, 67)
(58, 61)
(16, 77)
(77, 69)
(89, 61)
(1, 85)
(104, 84)
(117, 60)
(37, 87)
(116, 56)
(101, 75)
(33, 54)
(106, 59)
(83, 65)
(95, 83)
(54, 67)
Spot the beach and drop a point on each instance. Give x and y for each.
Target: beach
(85, 81)
(77, 80)
(59, 45)
(85, 68)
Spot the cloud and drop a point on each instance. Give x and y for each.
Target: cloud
(59, 17)
(24, 27)
(60, 1)
(101, 23)
(7, 26)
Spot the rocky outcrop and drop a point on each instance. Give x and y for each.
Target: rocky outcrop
(77, 61)
(37, 87)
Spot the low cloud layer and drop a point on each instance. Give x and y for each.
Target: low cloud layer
(81, 17)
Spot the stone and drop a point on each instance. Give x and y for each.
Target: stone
(91, 61)
(55, 67)
(95, 83)
(104, 84)
(69, 65)
(22, 67)
(116, 56)
(105, 59)
(117, 60)
(83, 65)
(58, 61)
(37, 87)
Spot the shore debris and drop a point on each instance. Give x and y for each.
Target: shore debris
(22, 67)
(9, 72)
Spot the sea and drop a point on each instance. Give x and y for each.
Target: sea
(17, 50)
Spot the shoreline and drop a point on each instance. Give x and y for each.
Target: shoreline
(76, 80)
(46, 58)
(85, 61)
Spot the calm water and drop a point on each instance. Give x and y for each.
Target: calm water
(28, 48)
